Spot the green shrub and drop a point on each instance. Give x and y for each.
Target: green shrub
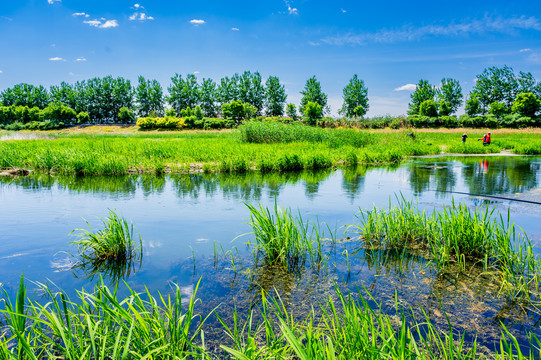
(83, 117)
(291, 111)
(167, 122)
(238, 111)
(428, 108)
(125, 115)
(312, 112)
(526, 104)
(498, 109)
(59, 112)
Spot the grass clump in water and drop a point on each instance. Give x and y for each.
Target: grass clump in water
(456, 238)
(114, 243)
(283, 238)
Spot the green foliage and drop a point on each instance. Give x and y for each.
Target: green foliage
(526, 104)
(283, 238)
(312, 112)
(169, 112)
(83, 117)
(450, 96)
(25, 95)
(251, 91)
(498, 109)
(275, 96)
(238, 111)
(502, 85)
(58, 112)
(424, 91)
(445, 108)
(312, 93)
(115, 242)
(428, 108)
(125, 115)
(167, 122)
(198, 113)
(355, 98)
(183, 93)
(291, 111)
(149, 97)
(473, 105)
(208, 97)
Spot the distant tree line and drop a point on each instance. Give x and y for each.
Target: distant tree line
(112, 100)
(497, 92)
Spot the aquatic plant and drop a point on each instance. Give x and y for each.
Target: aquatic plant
(458, 236)
(114, 243)
(283, 238)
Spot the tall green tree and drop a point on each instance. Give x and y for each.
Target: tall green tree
(149, 97)
(65, 94)
(312, 93)
(228, 90)
(450, 93)
(275, 96)
(424, 91)
(355, 94)
(495, 85)
(251, 90)
(208, 97)
(183, 93)
(25, 95)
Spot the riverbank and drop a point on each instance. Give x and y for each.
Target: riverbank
(117, 150)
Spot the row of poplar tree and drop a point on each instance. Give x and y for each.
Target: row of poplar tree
(497, 91)
(102, 98)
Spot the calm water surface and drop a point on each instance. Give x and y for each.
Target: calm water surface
(183, 218)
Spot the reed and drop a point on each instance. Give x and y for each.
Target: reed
(456, 238)
(114, 243)
(283, 238)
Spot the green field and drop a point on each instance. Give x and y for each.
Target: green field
(253, 147)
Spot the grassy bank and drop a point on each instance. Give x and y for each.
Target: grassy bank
(260, 146)
(100, 325)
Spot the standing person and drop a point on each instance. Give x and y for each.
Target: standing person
(484, 138)
(488, 139)
(464, 137)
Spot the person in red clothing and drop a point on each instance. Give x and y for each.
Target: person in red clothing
(487, 140)
(484, 138)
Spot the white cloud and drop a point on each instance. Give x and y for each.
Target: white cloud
(291, 10)
(465, 28)
(343, 11)
(235, 29)
(1, 72)
(6, 18)
(197, 22)
(525, 50)
(103, 23)
(137, 6)
(81, 14)
(80, 59)
(140, 16)
(53, 1)
(407, 87)
(313, 43)
(196, 72)
(56, 59)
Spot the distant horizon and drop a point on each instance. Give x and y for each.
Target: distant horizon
(50, 41)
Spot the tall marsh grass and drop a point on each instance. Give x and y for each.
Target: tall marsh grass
(457, 238)
(283, 238)
(114, 243)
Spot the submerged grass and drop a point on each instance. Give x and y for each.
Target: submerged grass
(458, 236)
(100, 325)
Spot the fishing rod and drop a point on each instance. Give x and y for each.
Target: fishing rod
(490, 196)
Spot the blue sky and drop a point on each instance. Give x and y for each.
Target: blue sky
(389, 44)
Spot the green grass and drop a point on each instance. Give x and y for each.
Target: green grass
(114, 243)
(457, 238)
(266, 147)
(99, 325)
(283, 238)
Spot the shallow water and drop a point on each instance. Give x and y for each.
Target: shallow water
(185, 220)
